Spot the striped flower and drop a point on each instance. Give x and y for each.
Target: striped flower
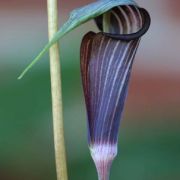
(106, 64)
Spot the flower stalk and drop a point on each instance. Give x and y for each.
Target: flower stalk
(57, 110)
(106, 22)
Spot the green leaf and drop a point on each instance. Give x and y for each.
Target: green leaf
(78, 17)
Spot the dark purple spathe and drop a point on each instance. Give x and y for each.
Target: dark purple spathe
(106, 64)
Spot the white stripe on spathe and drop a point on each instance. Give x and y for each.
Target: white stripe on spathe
(107, 74)
(97, 68)
(99, 84)
(119, 22)
(122, 84)
(128, 30)
(114, 80)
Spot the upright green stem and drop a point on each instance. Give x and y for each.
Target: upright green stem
(55, 71)
(106, 22)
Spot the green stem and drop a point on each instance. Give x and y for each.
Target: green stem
(106, 22)
(55, 72)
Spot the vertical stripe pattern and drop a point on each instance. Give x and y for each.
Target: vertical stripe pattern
(106, 65)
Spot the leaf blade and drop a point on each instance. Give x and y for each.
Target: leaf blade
(77, 17)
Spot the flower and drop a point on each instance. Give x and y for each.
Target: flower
(106, 64)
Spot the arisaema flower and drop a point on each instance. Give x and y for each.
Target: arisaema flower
(106, 64)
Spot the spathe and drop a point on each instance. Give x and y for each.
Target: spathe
(106, 64)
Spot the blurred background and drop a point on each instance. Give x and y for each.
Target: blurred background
(149, 140)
